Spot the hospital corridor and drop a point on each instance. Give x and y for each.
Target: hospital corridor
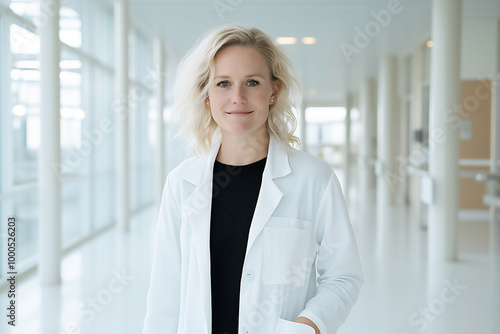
(400, 98)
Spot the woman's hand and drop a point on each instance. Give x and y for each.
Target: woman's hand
(305, 321)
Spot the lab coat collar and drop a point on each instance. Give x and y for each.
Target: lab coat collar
(201, 171)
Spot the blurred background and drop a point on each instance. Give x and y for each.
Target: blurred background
(400, 97)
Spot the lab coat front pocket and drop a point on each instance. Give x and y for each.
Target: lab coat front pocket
(285, 255)
(290, 327)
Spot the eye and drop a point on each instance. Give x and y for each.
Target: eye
(253, 83)
(223, 84)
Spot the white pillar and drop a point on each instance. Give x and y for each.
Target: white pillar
(388, 130)
(49, 232)
(303, 125)
(443, 134)
(347, 146)
(367, 143)
(494, 185)
(159, 125)
(494, 188)
(121, 115)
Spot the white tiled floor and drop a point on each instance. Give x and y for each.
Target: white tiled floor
(104, 287)
(105, 282)
(404, 293)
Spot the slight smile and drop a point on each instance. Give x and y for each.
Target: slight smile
(239, 112)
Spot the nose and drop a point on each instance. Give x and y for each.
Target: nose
(238, 95)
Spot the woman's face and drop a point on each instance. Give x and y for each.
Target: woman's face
(242, 90)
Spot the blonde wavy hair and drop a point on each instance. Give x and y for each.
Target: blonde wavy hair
(195, 75)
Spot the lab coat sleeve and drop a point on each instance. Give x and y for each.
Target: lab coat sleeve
(340, 275)
(163, 301)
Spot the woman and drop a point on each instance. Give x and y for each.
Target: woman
(253, 235)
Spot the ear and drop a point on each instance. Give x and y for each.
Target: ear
(276, 87)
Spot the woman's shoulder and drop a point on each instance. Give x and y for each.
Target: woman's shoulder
(307, 163)
(178, 172)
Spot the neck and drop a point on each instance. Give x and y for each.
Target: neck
(239, 150)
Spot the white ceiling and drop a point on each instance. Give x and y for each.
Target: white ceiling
(321, 66)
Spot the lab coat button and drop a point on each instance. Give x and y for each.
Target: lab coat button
(249, 275)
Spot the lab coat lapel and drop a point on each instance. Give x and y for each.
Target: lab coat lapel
(198, 208)
(269, 195)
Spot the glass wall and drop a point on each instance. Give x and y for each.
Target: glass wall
(20, 119)
(87, 166)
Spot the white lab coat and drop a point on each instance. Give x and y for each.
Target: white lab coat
(301, 257)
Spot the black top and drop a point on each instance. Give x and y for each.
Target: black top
(234, 196)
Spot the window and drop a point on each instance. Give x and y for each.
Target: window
(70, 30)
(29, 9)
(24, 103)
(325, 133)
(86, 116)
(140, 113)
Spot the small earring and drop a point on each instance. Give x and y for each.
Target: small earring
(272, 100)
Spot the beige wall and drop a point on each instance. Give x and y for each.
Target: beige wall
(476, 109)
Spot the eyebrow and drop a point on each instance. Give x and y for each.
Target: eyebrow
(247, 76)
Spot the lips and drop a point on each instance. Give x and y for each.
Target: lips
(239, 112)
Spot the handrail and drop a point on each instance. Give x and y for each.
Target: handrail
(466, 174)
(490, 200)
(469, 174)
(485, 176)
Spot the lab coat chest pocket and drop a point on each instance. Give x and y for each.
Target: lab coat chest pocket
(286, 251)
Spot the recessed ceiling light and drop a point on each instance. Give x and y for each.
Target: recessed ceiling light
(79, 114)
(309, 40)
(430, 44)
(286, 40)
(19, 110)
